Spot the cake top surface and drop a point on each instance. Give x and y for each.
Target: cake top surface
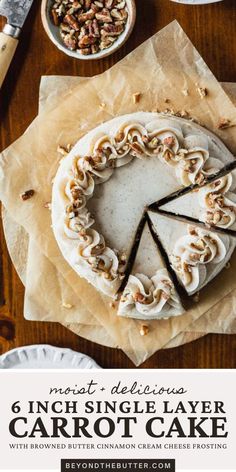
(104, 185)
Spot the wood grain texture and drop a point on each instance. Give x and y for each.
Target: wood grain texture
(212, 30)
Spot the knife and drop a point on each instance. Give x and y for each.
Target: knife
(16, 12)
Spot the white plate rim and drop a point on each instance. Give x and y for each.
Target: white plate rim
(76, 360)
(196, 2)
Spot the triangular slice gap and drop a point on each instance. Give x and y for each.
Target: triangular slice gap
(213, 204)
(196, 254)
(133, 252)
(149, 292)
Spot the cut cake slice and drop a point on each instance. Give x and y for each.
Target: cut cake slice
(213, 204)
(196, 255)
(150, 292)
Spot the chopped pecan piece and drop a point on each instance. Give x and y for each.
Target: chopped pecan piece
(65, 28)
(76, 5)
(203, 92)
(112, 30)
(104, 16)
(94, 7)
(169, 141)
(94, 48)
(136, 97)
(144, 330)
(86, 41)
(94, 29)
(109, 4)
(224, 123)
(99, 4)
(87, 4)
(138, 297)
(89, 15)
(85, 51)
(192, 231)
(106, 42)
(71, 20)
(184, 114)
(119, 14)
(62, 150)
(68, 306)
(70, 42)
(120, 5)
(27, 194)
(55, 17)
(76, 193)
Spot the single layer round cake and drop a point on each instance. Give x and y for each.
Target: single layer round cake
(101, 194)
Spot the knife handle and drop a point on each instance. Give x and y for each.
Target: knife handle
(8, 45)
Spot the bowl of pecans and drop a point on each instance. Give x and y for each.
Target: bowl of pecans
(88, 29)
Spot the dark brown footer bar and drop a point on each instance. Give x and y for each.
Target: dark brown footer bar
(117, 465)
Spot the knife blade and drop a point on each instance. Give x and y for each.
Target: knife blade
(16, 12)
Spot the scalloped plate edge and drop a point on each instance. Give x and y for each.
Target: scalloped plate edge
(43, 356)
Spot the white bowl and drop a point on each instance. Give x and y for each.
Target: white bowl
(54, 33)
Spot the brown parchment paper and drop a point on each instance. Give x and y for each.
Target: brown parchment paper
(220, 319)
(162, 67)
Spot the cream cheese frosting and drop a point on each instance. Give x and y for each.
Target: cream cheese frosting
(196, 255)
(149, 292)
(214, 204)
(112, 174)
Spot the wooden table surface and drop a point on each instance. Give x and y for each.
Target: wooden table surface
(212, 30)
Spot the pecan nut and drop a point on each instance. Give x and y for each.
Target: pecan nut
(27, 194)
